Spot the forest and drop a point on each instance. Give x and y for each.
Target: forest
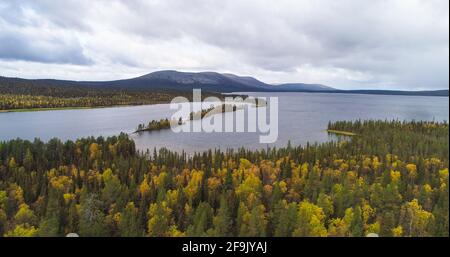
(20, 96)
(391, 178)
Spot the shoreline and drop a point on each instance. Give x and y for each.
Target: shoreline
(75, 108)
(56, 109)
(131, 105)
(79, 107)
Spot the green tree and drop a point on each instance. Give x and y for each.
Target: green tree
(285, 218)
(254, 223)
(50, 225)
(222, 222)
(326, 203)
(356, 226)
(92, 218)
(202, 220)
(129, 223)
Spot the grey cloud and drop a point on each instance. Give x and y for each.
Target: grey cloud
(371, 37)
(25, 36)
(68, 14)
(15, 47)
(403, 44)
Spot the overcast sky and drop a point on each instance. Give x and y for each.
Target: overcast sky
(346, 43)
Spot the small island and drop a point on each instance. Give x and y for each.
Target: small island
(214, 110)
(157, 125)
(166, 123)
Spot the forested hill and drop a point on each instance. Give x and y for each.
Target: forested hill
(391, 178)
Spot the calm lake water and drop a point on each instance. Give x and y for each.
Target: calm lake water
(302, 118)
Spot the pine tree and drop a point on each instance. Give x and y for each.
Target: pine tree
(356, 226)
(222, 222)
(285, 217)
(50, 225)
(92, 217)
(129, 224)
(202, 220)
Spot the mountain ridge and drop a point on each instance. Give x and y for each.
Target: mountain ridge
(208, 81)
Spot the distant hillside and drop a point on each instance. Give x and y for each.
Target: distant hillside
(209, 81)
(170, 80)
(395, 92)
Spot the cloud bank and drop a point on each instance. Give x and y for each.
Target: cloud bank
(385, 44)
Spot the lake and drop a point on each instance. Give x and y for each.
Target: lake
(302, 118)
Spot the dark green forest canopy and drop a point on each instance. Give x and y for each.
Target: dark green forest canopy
(391, 179)
(19, 95)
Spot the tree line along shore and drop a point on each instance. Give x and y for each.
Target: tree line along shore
(20, 97)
